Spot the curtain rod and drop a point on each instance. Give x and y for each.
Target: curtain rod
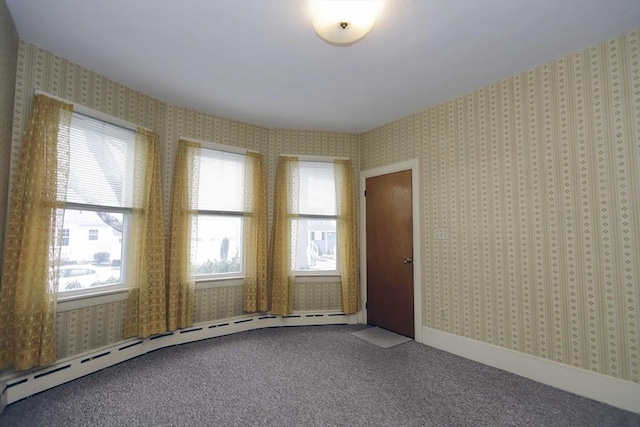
(312, 158)
(95, 113)
(221, 147)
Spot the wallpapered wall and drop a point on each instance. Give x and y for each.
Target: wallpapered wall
(92, 327)
(88, 328)
(537, 180)
(303, 142)
(8, 53)
(40, 69)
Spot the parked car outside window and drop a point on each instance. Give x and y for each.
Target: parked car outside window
(77, 277)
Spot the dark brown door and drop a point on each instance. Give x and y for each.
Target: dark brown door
(390, 252)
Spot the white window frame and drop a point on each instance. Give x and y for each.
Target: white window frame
(316, 275)
(72, 300)
(204, 281)
(104, 290)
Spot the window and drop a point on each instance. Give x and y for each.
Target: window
(98, 204)
(64, 241)
(316, 237)
(220, 214)
(310, 197)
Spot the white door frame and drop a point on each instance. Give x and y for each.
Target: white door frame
(414, 166)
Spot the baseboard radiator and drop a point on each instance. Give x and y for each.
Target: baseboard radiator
(21, 385)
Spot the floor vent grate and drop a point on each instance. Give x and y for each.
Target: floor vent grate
(97, 356)
(218, 326)
(160, 336)
(130, 345)
(22, 381)
(61, 368)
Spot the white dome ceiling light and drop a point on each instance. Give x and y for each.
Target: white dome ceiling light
(342, 23)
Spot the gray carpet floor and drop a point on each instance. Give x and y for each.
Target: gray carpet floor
(306, 376)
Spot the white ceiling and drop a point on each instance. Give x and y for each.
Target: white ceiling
(260, 61)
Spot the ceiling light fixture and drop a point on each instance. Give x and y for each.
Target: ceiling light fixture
(344, 22)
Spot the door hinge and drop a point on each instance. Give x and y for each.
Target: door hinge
(365, 193)
(366, 305)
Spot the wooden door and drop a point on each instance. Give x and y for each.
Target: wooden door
(389, 217)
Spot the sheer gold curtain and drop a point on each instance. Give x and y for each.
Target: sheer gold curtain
(28, 290)
(255, 236)
(146, 309)
(184, 223)
(347, 236)
(284, 235)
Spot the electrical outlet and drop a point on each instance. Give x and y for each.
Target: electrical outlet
(442, 234)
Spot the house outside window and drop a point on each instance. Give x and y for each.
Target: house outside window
(93, 234)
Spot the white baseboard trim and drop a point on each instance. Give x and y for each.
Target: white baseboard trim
(17, 386)
(603, 388)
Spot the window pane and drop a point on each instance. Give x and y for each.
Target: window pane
(221, 183)
(100, 163)
(64, 241)
(317, 188)
(316, 245)
(219, 245)
(96, 261)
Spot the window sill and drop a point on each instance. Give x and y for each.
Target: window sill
(316, 278)
(75, 302)
(219, 282)
(239, 281)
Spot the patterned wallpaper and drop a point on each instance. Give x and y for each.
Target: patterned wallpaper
(537, 179)
(8, 53)
(85, 329)
(318, 296)
(40, 69)
(304, 142)
(183, 122)
(88, 328)
(218, 303)
(221, 303)
(43, 70)
(91, 327)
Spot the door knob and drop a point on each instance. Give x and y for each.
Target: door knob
(407, 260)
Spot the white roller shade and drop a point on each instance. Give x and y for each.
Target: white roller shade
(221, 184)
(101, 163)
(317, 188)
